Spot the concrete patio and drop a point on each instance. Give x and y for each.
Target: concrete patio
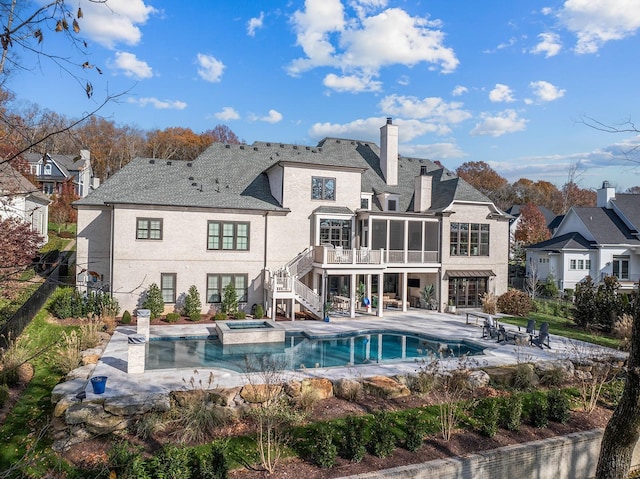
(114, 361)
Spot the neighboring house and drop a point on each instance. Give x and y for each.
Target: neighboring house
(593, 241)
(53, 171)
(21, 199)
(293, 227)
(551, 219)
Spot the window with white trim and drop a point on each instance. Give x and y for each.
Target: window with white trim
(149, 228)
(168, 287)
(216, 283)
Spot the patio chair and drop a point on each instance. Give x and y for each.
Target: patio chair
(489, 329)
(531, 327)
(542, 338)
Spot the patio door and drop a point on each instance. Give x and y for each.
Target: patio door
(467, 292)
(621, 267)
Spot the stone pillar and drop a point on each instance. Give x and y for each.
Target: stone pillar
(142, 320)
(136, 358)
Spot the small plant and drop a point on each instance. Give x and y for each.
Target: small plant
(383, 439)
(323, 450)
(171, 462)
(524, 378)
(192, 304)
(153, 301)
(148, 425)
(539, 410)
(425, 378)
(487, 413)
(427, 296)
(622, 330)
(126, 317)
(220, 316)
(90, 334)
(415, 430)
(553, 377)
(489, 303)
(511, 412)
(558, 406)
(259, 313)
(68, 356)
(240, 315)
(172, 317)
(126, 461)
(355, 437)
(211, 462)
(16, 354)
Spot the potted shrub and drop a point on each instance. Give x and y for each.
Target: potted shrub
(451, 308)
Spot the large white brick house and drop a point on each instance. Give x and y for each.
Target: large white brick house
(292, 227)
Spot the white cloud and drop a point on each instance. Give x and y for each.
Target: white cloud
(360, 46)
(433, 109)
(227, 113)
(500, 124)
(549, 44)
(350, 83)
(434, 151)
(131, 66)
(254, 24)
(459, 90)
(159, 104)
(366, 129)
(501, 93)
(596, 22)
(274, 116)
(210, 68)
(117, 21)
(546, 91)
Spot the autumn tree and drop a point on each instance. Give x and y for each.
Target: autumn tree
(532, 226)
(485, 179)
(61, 211)
(18, 246)
(221, 134)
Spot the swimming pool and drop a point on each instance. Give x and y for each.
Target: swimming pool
(302, 351)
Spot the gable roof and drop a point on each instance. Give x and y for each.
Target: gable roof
(605, 226)
(67, 164)
(569, 241)
(549, 216)
(629, 205)
(234, 177)
(12, 182)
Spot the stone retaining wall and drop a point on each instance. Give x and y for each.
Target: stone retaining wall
(566, 457)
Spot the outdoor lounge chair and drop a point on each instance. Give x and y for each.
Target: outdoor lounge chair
(531, 327)
(489, 329)
(542, 338)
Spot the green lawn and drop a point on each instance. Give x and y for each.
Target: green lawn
(565, 327)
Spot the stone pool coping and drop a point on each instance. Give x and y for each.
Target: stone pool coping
(114, 361)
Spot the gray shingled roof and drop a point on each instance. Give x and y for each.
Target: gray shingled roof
(569, 241)
(606, 226)
(629, 206)
(233, 176)
(14, 183)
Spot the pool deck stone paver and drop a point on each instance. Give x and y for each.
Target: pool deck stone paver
(120, 384)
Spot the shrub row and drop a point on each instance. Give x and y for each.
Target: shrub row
(68, 302)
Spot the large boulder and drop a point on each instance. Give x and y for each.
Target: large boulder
(385, 387)
(260, 393)
(133, 405)
(348, 389)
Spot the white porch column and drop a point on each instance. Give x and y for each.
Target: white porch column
(405, 289)
(273, 307)
(292, 314)
(368, 292)
(352, 296)
(380, 300)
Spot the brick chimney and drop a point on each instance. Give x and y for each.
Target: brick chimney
(605, 195)
(422, 193)
(389, 152)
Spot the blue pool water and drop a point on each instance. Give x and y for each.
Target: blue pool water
(299, 351)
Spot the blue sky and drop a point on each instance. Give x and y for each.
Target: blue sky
(505, 82)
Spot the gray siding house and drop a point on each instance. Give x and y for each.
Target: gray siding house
(293, 228)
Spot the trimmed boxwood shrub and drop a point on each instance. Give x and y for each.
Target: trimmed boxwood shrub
(511, 412)
(220, 316)
(172, 317)
(558, 406)
(383, 438)
(323, 450)
(126, 317)
(355, 438)
(539, 410)
(487, 413)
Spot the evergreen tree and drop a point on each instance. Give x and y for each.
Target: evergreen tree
(154, 301)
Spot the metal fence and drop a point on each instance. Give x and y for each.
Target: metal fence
(21, 318)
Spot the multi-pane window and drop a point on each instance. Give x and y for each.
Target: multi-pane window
(168, 287)
(335, 232)
(469, 239)
(216, 283)
(323, 188)
(392, 205)
(620, 267)
(149, 228)
(579, 264)
(227, 235)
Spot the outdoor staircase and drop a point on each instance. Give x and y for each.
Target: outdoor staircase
(297, 268)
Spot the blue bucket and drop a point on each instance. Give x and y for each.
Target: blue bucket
(99, 384)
